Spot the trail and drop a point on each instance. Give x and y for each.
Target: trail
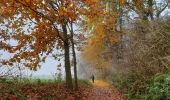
(102, 90)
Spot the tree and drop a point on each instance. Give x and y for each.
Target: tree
(148, 9)
(74, 56)
(101, 23)
(46, 31)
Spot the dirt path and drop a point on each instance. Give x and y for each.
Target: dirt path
(104, 91)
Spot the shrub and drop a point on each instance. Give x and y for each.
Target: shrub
(160, 88)
(146, 52)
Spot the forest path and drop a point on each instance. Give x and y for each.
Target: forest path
(102, 90)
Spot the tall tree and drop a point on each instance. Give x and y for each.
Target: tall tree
(39, 28)
(74, 56)
(101, 23)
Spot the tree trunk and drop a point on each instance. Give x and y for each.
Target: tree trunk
(150, 9)
(74, 58)
(67, 58)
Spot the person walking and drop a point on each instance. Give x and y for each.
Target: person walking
(92, 77)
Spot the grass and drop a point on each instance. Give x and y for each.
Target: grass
(86, 83)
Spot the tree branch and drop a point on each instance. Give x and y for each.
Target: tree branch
(160, 11)
(43, 16)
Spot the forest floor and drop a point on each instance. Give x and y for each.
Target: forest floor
(104, 91)
(99, 90)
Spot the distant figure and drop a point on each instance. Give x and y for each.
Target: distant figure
(92, 77)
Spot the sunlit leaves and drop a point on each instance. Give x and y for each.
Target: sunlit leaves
(101, 24)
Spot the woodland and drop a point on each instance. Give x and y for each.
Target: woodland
(124, 44)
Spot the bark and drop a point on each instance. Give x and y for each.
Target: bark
(67, 58)
(74, 58)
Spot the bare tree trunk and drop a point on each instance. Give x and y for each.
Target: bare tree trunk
(74, 57)
(67, 58)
